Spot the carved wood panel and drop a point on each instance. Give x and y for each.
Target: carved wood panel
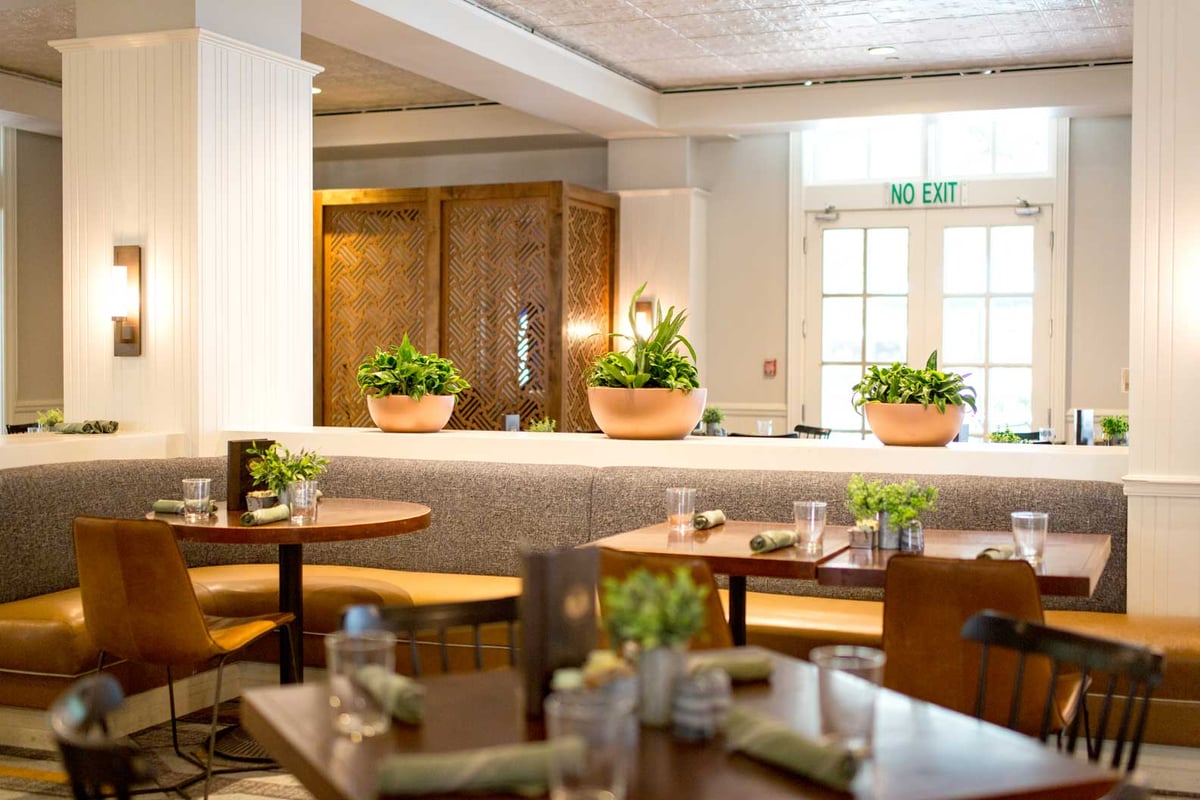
(587, 301)
(497, 307)
(375, 291)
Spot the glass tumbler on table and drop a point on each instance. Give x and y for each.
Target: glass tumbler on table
(603, 722)
(847, 706)
(302, 497)
(1029, 535)
(681, 512)
(810, 524)
(353, 713)
(197, 499)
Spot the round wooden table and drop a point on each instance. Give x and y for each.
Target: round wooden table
(339, 519)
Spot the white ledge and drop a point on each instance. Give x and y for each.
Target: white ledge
(28, 449)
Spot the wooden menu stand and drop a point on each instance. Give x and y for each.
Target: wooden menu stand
(237, 471)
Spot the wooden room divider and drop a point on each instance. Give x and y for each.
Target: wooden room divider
(512, 281)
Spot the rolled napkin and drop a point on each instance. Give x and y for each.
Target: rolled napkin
(708, 519)
(519, 768)
(767, 739)
(1000, 553)
(89, 426)
(401, 697)
(265, 515)
(175, 506)
(741, 666)
(767, 541)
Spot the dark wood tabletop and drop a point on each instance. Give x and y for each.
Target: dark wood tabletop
(1072, 565)
(921, 751)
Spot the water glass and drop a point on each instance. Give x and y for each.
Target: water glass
(681, 512)
(1029, 535)
(197, 499)
(352, 711)
(810, 524)
(603, 721)
(764, 427)
(302, 498)
(847, 705)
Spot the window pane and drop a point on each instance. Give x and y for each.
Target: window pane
(887, 260)
(841, 155)
(966, 146)
(841, 329)
(842, 261)
(1010, 338)
(887, 329)
(1012, 258)
(1009, 401)
(964, 261)
(837, 408)
(896, 149)
(1022, 144)
(963, 321)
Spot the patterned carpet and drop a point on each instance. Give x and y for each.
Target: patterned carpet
(38, 774)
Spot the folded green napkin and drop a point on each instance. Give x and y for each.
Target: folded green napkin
(88, 426)
(175, 506)
(401, 697)
(264, 515)
(708, 519)
(772, 540)
(1001, 553)
(741, 666)
(519, 767)
(767, 739)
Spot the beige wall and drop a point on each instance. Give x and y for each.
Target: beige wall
(38, 373)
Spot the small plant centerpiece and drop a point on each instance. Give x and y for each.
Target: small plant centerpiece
(892, 509)
(1004, 436)
(656, 615)
(46, 420)
(1116, 429)
(409, 391)
(275, 467)
(650, 390)
(906, 406)
(543, 425)
(712, 419)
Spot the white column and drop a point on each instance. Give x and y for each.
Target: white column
(198, 147)
(1164, 481)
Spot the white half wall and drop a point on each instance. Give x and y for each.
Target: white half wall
(587, 166)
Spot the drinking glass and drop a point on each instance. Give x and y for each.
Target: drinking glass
(847, 705)
(603, 721)
(764, 427)
(197, 497)
(302, 498)
(810, 524)
(681, 512)
(352, 711)
(1029, 535)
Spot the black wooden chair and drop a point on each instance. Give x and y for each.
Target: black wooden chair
(96, 765)
(812, 432)
(412, 621)
(1133, 673)
(21, 427)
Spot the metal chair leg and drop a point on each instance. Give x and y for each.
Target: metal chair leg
(212, 730)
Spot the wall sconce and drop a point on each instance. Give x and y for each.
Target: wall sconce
(125, 300)
(643, 317)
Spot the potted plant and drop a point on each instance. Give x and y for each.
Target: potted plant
(712, 419)
(650, 390)
(893, 509)
(1004, 436)
(408, 391)
(544, 425)
(46, 420)
(275, 467)
(1116, 429)
(906, 406)
(657, 614)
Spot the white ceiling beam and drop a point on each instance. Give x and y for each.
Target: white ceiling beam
(463, 46)
(30, 104)
(1093, 91)
(429, 125)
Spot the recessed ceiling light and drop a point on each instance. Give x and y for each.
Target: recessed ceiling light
(316, 90)
(884, 50)
(988, 71)
(808, 83)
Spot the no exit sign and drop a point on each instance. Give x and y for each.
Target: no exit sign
(925, 193)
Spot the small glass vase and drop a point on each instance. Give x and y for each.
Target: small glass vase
(659, 668)
(912, 537)
(889, 534)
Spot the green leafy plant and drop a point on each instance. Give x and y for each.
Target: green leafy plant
(1003, 436)
(903, 502)
(1114, 427)
(50, 417)
(545, 425)
(404, 370)
(654, 610)
(275, 467)
(900, 383)
(712, 415)
(651, 361)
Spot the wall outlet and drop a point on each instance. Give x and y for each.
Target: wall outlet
(1125, 380)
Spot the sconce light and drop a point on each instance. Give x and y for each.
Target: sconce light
(125, 300)
(643, 317)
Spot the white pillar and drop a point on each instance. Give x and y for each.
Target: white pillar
(1164, 481)
(198, 147)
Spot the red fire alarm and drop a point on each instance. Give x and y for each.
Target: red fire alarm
(769, 368)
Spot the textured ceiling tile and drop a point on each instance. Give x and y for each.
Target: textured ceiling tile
(24, 33)
(743, 22)
(843, 22)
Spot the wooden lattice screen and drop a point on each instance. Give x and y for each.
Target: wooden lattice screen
(508, 280)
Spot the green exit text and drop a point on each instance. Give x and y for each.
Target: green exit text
(927, 193)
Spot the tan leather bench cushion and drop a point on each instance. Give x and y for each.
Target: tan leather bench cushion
(46, 634)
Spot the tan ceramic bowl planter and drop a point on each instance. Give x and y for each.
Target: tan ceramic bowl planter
(913, 424)
(646, 413)
(398, 413)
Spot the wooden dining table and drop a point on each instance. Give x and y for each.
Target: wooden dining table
(920, 750)
(1072, 566)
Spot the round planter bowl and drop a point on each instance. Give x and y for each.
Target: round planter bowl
(397, 413)
(646, 413)
(913, 424)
